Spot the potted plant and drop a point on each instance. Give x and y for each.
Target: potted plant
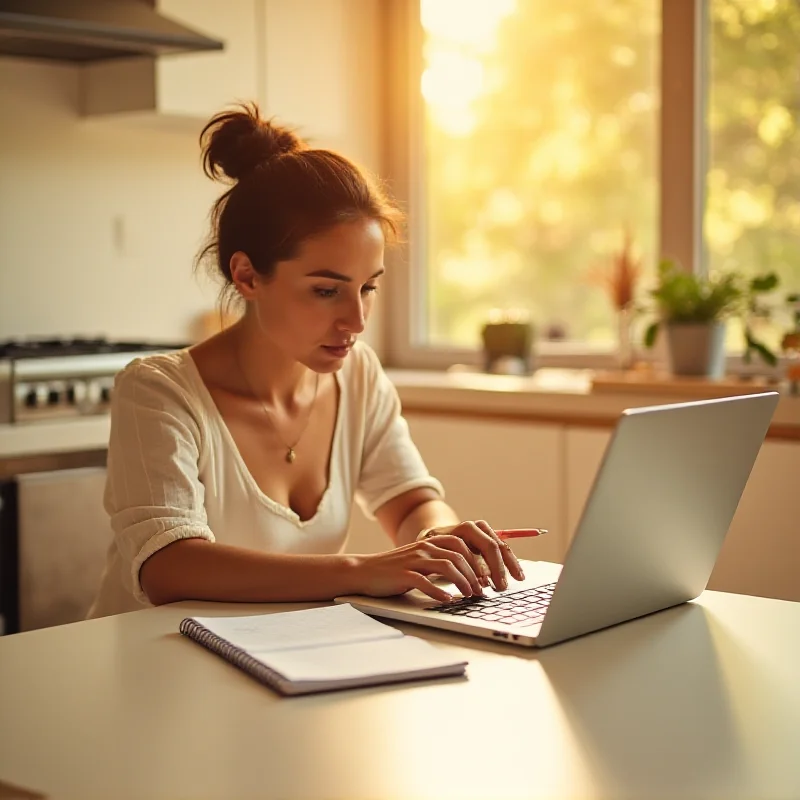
(790, 344)
(694, 311)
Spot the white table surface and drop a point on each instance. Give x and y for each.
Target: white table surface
(699, 701)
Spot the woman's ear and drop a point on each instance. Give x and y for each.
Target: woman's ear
(243, 275)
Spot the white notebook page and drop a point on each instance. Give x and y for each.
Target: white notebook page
(313, 627)
(365, 659)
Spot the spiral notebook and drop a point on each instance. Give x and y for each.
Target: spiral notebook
(320, 649)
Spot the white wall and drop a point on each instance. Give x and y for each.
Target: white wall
(100, 219)
(98, 222)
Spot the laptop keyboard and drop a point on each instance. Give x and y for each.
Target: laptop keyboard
(522, 608)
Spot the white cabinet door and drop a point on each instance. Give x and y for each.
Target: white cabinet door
(63, 538)
(508, 473)
(321, 72)
(304, 61)
(200, 84)
(761, 554)
(584, 452)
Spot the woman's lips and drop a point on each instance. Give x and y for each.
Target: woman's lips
(338, 351)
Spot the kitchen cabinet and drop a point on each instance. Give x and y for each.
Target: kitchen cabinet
(507, 473)
(584, 451)
(321, 68)
(312, 64)
(761, 554)
(63, 536)
(188, 85)
(200, 84)
(518, 474)
(305, 60)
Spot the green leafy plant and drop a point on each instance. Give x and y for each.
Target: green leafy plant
(684, 297)
(790, 343)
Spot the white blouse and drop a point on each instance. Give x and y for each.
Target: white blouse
(174, 471)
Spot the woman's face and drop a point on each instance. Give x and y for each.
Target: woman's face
(314, 306)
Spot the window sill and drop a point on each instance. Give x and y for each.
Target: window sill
(561, 396)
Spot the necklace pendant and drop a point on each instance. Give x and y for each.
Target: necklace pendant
(290, 455)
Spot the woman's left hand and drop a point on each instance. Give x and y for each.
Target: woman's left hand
(487, 553)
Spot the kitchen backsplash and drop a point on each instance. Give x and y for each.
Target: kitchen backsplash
(99, 221)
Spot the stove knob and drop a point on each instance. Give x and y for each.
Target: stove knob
(31, 400)
(76, 393)
(105, 394)
(53, 397)
(93, 392)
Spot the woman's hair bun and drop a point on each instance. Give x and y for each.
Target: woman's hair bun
(238, 141)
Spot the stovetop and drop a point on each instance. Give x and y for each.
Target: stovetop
(48, 378)
(53, 347)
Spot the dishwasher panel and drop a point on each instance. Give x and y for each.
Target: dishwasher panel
(63, 534)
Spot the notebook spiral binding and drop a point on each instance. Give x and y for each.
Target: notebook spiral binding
(232, 654)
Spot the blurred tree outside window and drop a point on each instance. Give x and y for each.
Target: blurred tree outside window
(541, 146)
(752, 205)
(541, 123)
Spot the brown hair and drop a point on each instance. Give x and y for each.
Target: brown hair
(283, 192)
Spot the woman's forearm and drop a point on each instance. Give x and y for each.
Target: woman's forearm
(430, 514)
(196, 569)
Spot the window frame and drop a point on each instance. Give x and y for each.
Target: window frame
(682, 151)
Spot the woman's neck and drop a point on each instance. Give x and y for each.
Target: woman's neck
(266, 370)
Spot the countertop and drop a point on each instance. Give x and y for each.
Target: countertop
(698, 701)
(549, 395)
(565, 396)
(59, 436)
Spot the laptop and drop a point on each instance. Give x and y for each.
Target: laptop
(648, 537)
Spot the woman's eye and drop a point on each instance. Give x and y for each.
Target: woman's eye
(328, 293)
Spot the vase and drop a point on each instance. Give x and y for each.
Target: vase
(625, 349)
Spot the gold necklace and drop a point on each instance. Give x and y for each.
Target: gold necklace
(291, 453)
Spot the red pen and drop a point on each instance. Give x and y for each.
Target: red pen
(521, 533)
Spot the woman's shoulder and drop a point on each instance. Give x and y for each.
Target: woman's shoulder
(159, 374)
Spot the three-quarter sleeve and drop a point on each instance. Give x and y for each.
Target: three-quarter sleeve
(391, 463)
(153, 493)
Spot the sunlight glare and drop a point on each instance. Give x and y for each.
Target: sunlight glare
(459, 33)
(776, 125)
(468, 22)
(452, 80)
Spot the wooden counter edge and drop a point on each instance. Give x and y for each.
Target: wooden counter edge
(777, 431)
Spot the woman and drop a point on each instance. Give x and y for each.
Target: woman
(232, 465)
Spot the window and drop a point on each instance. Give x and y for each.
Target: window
(541, 132)
(752, 209)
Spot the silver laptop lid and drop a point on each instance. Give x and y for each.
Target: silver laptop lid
(661, 504)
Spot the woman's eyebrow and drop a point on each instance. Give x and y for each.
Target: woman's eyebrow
(337, 276)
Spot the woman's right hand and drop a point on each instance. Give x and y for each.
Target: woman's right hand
(407, 567)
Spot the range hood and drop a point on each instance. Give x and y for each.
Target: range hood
(93, 30)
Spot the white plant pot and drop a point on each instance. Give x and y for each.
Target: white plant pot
(696, 348)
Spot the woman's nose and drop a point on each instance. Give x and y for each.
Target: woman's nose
(353, 320)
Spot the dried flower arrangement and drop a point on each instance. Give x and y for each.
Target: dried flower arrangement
(620, 275)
